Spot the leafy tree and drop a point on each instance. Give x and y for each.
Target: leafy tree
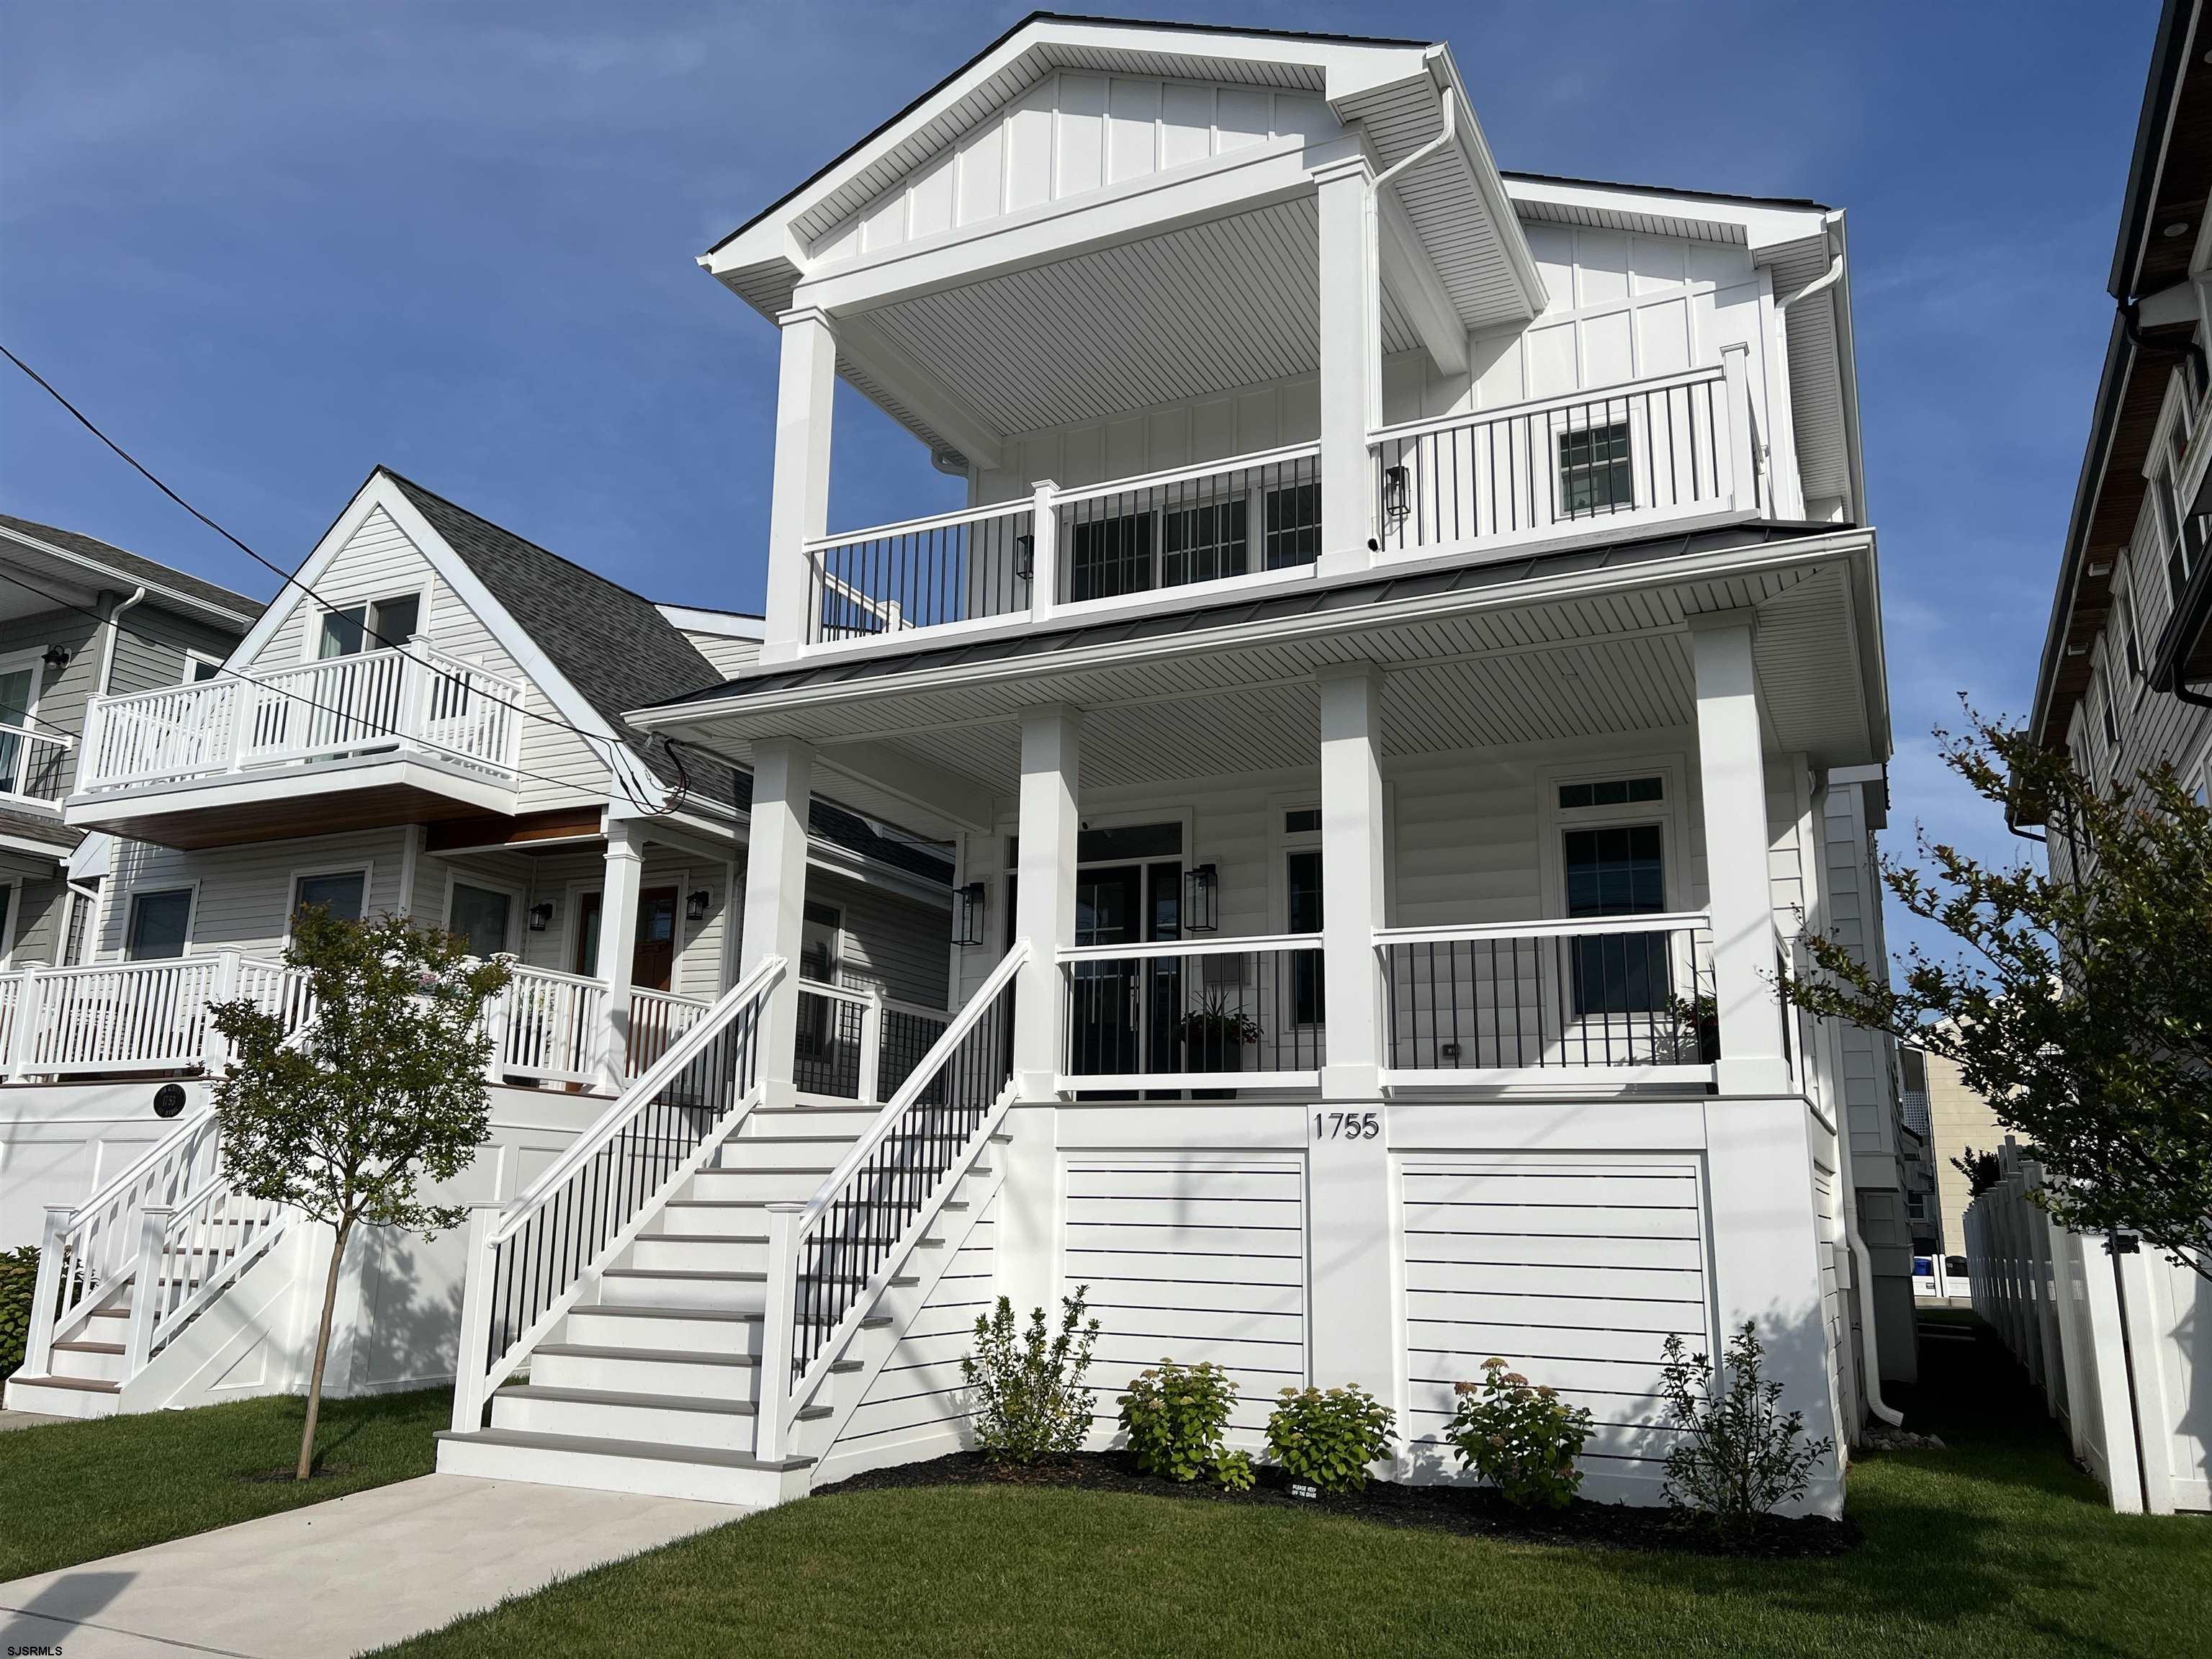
(2081, 1004)
(1982, 1170)
(383, 1089)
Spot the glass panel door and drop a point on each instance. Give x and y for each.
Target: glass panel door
(1103, 1024)
(481, 916)
(15, 687)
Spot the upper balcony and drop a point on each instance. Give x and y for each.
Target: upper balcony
(406, 734)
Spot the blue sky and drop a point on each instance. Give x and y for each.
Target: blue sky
(273, 245)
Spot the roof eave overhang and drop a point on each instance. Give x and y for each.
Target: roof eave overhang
(109, 577)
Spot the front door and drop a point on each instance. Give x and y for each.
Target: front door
(1102, 1026)
(653, 958)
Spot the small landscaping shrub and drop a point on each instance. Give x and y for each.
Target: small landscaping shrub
(1739, 1457)
(1176, 1416)
(1523, 1439)
(1030, 1403)
(19, 1279)
(1328, 1437)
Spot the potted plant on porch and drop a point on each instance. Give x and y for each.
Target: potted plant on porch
(1214, 1031)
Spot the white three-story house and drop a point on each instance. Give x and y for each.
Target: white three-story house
(1403, 667)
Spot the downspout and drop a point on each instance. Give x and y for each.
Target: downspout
(1450, 108)
(107, 646)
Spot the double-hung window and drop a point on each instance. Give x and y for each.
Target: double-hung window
(1595, 472)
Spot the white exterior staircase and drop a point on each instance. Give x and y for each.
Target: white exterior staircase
(708, 1336)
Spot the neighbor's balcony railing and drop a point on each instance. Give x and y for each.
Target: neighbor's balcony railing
(33, 764)
(1626, 997)
(1653, 449)
(416, 700)
(119, 1018)
(1205, 1015)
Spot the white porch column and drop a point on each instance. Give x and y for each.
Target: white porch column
(1044, 915)
(799, 506)
(1350, 362)
(1044, 910)
(1351, 1217)
(625, 862)
(1767, 1234)
(1732, 782)
(775, 898)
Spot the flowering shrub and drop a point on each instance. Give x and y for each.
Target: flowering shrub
(1328, 1438)
(1739, 1457)
(1523, 1439)
(1029, 1401)
(1176, 1415)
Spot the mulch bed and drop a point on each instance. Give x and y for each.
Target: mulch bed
(1476, 1510)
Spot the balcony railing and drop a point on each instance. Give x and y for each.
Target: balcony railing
(33, 764)
(1245, 516)
(1624, 996)
(133, 1017)
(416, 700)
(860, 1045)
(1653, 449)
(1211, 1015)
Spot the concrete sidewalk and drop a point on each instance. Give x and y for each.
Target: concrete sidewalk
(336, 1577)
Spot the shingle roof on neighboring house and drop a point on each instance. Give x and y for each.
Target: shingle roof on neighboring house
(131, 565)
(38, 827)
(620, 653)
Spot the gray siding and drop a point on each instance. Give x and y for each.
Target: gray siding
(62, 694)
(898, 944)
(150, 645)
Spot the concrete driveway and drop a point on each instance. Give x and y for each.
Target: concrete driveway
(336, 1577)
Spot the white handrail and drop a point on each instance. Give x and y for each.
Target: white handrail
(609, 1123)
(1191, 474)
(1257, 945)
(929, 521)
(918, 1079)
(1539, 405)
(1546, 928)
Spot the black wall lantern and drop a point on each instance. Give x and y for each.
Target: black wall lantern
(57, 657)
(1201, 905)
(1025, 557)
(1397, 494)
(541, 916)
(695, 903)
(968, 915)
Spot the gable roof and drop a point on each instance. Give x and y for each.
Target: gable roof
(619, 652)
(131, 569)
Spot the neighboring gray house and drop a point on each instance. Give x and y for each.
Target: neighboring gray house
(80, 618)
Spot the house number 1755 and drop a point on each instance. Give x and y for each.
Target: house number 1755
(1347, 1126)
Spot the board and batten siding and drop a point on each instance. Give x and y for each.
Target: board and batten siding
(1191, 1256)
(920, 1393)
(1573, 1270)
(1070, 135)
(379, 561)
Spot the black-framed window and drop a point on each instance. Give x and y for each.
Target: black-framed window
(159, 926)
(1203, 543)
(1595, 474)
(1107, 557)
(1290, 526)
(344, 893)
(1617, 869)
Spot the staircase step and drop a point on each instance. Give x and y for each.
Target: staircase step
(82, 1346)
(82, 1384)
(671, 1419)
(735, 1292)
(696, 1331)
(61, 1396)
(701, 1473)
(643, 1370)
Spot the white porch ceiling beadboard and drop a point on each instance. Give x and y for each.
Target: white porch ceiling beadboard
(1231, 302)
(1621, 663)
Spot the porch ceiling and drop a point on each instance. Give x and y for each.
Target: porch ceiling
(1536, 673)
(1233, 301)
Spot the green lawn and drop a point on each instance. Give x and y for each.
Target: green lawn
(75, 1491)
(1994, 1546)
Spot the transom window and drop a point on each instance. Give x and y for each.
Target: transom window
(1611, 791)
(1595, 474)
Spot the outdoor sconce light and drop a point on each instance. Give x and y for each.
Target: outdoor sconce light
(967, 923)
(541, 916)
(1201, 911)
(1025, 557)
(695, 903)
(1397, 494)
(57, 657)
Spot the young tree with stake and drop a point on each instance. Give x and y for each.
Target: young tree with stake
(381, 1092)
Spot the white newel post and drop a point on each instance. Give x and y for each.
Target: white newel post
(1350, 362)
(499, 1015)
(1766, 1240)
(415, 672)
(1045, 550)
(1044, 916)
(471, 1362)
(799, 508)
(229, 964)
(1358, 1332)
(871, 1047)
(779, 1300)
(625, 864)
(775, 899)
(39, 1346)
(23, 1037)
(1741, 451)
(146, 1290)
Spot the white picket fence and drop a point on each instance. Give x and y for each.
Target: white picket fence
(2119, 1342)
